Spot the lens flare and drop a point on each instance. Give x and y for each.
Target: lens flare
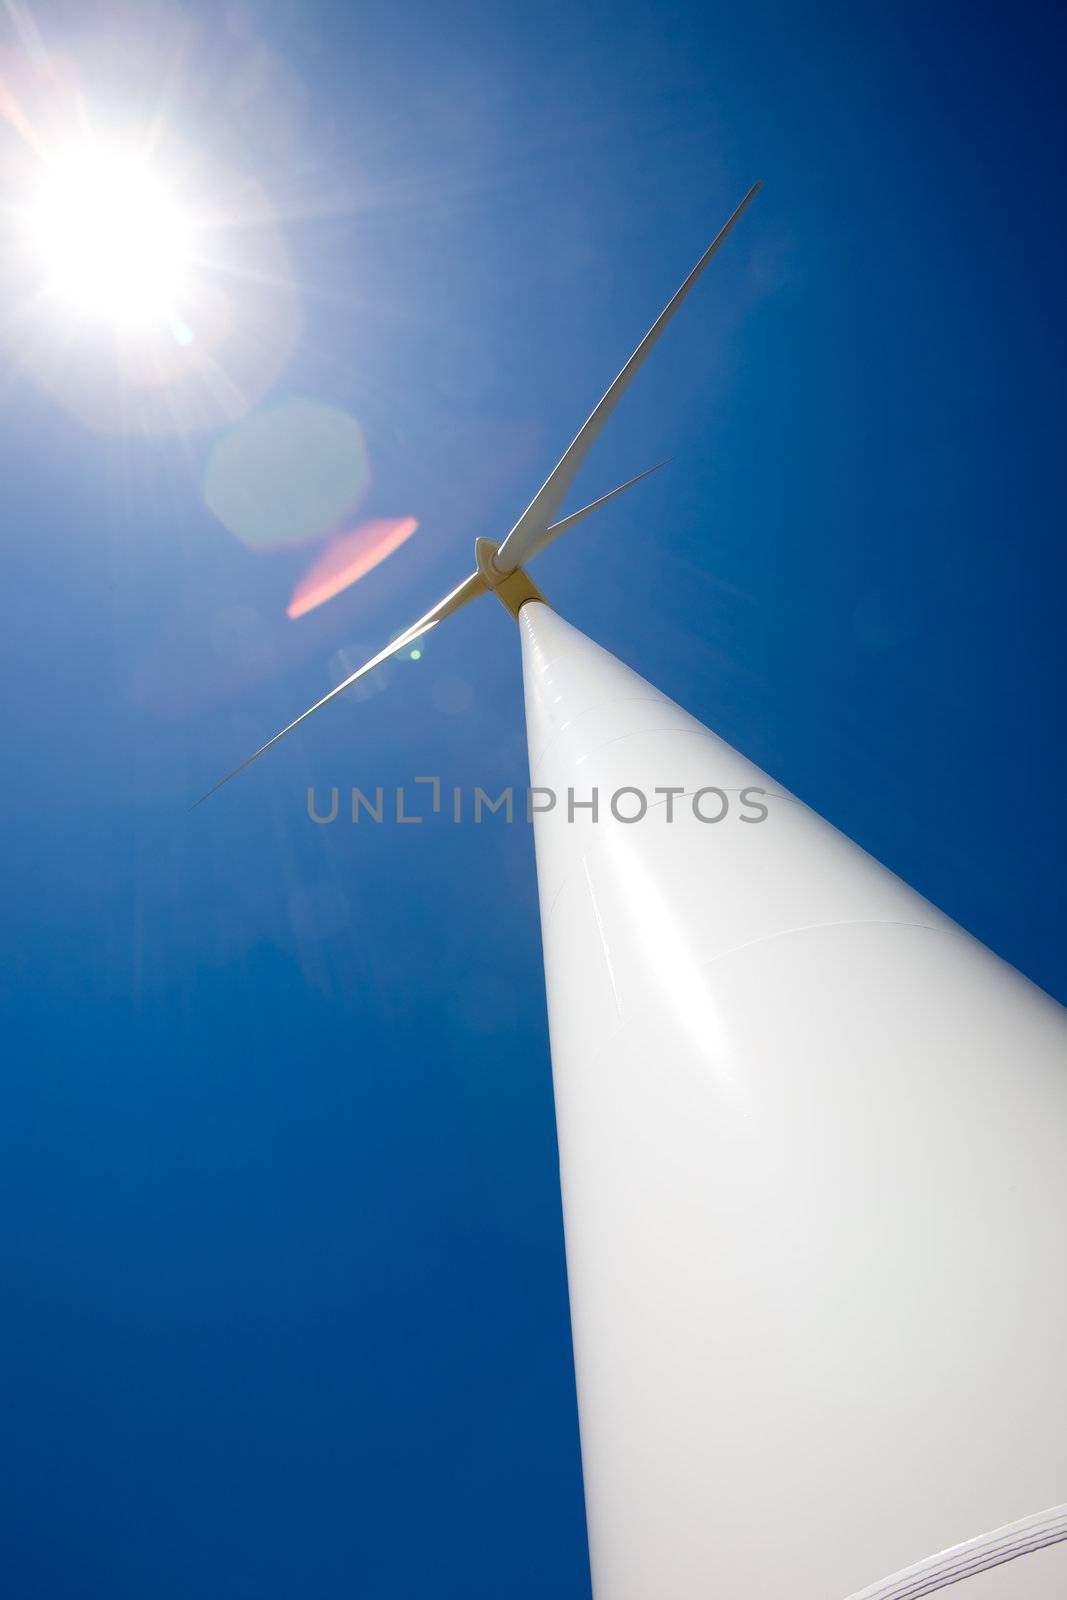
(347, 559)
(287, 474)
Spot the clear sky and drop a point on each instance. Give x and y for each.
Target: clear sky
(283, 1285)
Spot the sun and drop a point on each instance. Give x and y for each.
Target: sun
(110, 239)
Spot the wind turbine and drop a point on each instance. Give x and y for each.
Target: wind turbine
(812, 1158)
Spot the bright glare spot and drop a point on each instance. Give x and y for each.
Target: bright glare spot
(110, 239)
(416, 655)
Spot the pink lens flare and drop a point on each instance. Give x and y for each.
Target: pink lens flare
(348, 558)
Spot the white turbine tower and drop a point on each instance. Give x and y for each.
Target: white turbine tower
(812, 1159)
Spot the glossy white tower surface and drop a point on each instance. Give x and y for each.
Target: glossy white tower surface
(814, 1172)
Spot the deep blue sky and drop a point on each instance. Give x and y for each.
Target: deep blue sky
(284, 1306)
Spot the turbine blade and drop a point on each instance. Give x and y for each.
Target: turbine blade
(538, 544)
(518, 546)
(468, 590)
